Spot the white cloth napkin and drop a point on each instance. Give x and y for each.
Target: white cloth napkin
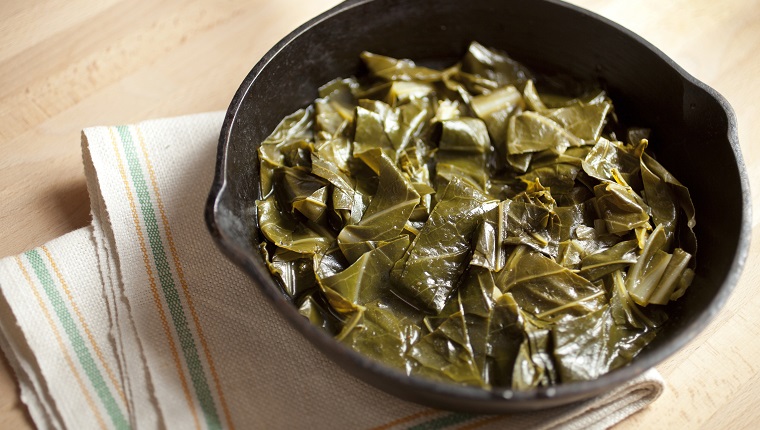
(138, 321)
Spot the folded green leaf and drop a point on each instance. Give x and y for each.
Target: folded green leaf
(530, 132)
(494, 65)
(293, 186)
(463, 152)
(621, 255)
(378, 125)
(607, 156)
(592, 345)
(331, 115)
(294, 271)
(292, 133)
(532, 99)
(286, 232)
(473, 302)
(534, 364)
(438, 256)
(559, 177)
(494, 109)
(657, 275)
(465, 135)
(505, 335)
(645, 273)
(335, 149)
(318, 313)
(476, 303)
(488, 247)
(669, 201)
(590, 97)
(392, 69)
(545, 289)
(382, 335)
(621, 208)
(346, 202)
(368, 279)
(529, 219)
(446, 354)
(583, 121)
(388, 211)
(402, 92)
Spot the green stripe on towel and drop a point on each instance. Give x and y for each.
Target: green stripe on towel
(186, 339)
(77, 341)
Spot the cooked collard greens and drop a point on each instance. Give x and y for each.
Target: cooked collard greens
(463, 225)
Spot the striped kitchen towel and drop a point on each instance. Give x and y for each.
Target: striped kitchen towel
(138, 321)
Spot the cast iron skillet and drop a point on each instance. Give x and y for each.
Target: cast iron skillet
(694, 136)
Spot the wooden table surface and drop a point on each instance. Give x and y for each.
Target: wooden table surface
(66, 65)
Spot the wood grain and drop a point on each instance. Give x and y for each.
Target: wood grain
(67, 65)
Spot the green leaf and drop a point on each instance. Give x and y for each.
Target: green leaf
(592, 345)
(340, 89)
(590, 97)
(575, 220)
(392, 69)
(293, 271)
(494, 109)
(488, 247)
(388, 211)
(494, 65)
(438, 257)
(330, 261)
(520, 162)
(462, 152)
(292, 133)
(475, 302)
(332, 115)
(391, 129)
(534, 364)
(346, 202)
(505, 335)
(529, 219)
(335, 149)
(583, 121)
(465, 135)
(619, 256)
(559, 177)
(621, 208)
(314, 308)
(644, 275)
(658, 276)
(530, 132)
(382, 335)
(446, 354)
(293, 186)
(545, 289)
(371, 130)
(286, 232)
(367, 279)
(683, 281)
(669, 201)
(532, 99)
(402, 92)
(413, 163)
(608, 156)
